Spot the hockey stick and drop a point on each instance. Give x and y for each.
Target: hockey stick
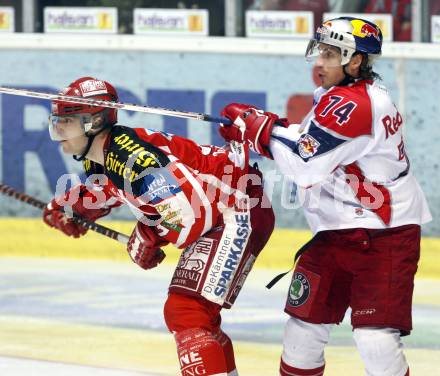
(117, 105)
(9, 191)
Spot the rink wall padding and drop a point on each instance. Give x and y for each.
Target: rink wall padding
(31, 237)
(201, 78)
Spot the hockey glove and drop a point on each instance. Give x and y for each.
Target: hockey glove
(251, 125)
(54, 216)
(143, 247)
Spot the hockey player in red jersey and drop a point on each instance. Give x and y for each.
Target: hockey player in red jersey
(363, 204)
(203, 199)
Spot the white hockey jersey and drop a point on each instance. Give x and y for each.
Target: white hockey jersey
(349, 162)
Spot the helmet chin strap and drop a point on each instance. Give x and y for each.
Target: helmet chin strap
(86, 150)
(90, 138)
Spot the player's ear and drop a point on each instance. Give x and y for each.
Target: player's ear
(355, 62)
(353, 67)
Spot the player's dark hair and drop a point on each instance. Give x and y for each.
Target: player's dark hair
(366, 71)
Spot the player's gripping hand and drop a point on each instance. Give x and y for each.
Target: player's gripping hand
(54, 216)
(251, 125)
(144, 247)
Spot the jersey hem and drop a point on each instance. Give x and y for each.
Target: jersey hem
(370, 225)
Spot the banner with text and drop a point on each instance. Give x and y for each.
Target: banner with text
(80, 20)
(279, 24)
(171, 21)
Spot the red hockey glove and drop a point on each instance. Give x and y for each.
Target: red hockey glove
(143, 247)
(54, 216)
(249, 124)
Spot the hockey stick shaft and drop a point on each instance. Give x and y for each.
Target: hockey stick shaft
(116, 105)
(9, 191)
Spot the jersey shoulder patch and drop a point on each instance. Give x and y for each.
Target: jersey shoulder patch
(346, 110)
(313, 143)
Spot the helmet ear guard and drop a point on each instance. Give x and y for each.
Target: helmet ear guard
(97, 122)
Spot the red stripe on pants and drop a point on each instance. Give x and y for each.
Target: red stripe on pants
(286, 370)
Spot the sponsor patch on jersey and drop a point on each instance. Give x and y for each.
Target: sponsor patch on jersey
(92, 87)
(176, 227)
(171, 215)
(307, 146)
(129, 159)
(227, 258)
(359, 212)
(299, 290)
(159, 186)
(192, 263)
(117, 165)
(364, 311)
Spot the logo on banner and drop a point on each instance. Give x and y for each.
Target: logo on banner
(195, 23)
(299, 289)
(105, 21)
(6, 19)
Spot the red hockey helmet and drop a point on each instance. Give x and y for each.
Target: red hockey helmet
(88, 87)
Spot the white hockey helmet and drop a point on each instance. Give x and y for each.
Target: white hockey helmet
(350, 35)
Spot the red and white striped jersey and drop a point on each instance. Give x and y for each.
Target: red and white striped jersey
(172, 184)
(349, 162)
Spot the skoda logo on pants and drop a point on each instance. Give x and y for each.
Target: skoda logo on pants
(299, 289)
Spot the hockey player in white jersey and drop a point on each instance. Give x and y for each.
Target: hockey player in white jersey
(362, 202)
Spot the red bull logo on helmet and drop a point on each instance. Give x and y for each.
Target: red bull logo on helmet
(363, 29)
(322, 31)
(370, 30)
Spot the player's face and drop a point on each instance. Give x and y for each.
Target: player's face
(328, 65)
(69, 131)
(74, 146)
(65, 127)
